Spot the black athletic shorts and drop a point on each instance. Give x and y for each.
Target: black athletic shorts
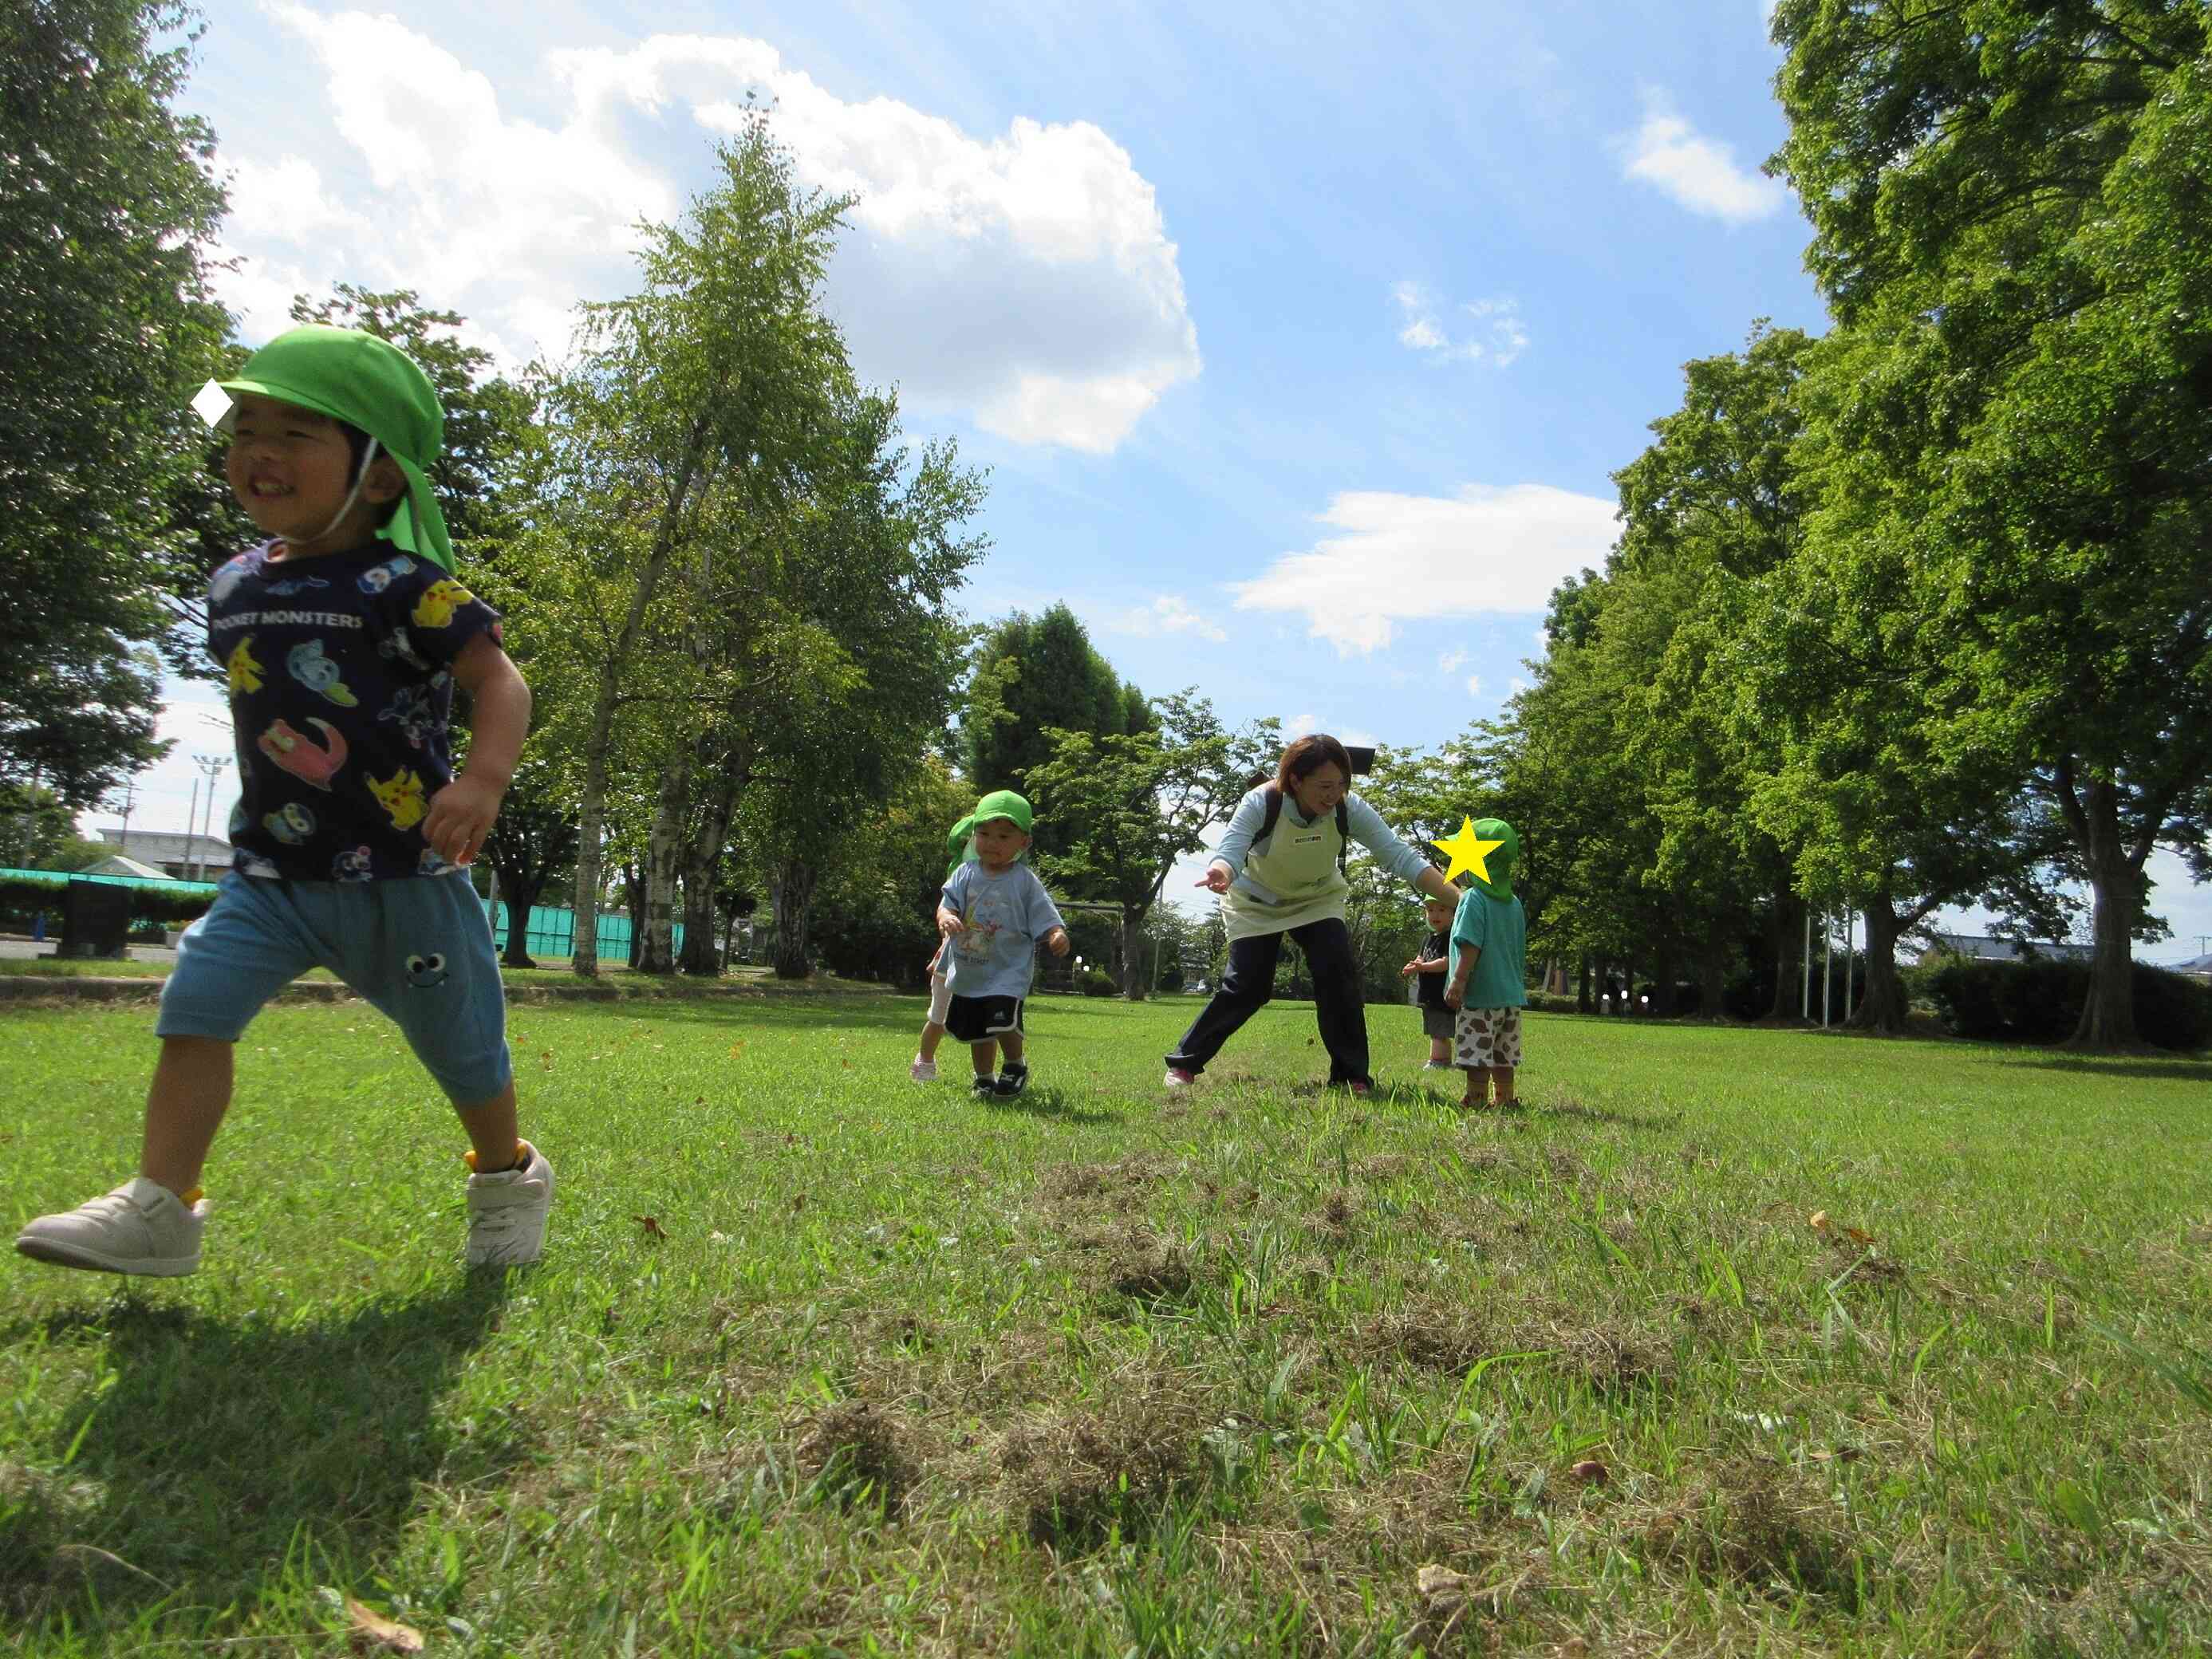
(974, 1020)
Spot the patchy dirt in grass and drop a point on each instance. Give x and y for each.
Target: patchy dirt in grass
(857, 1452)
(1433, 1332)
(1126, 1183)
(1069, 1479)
(1763, 1526)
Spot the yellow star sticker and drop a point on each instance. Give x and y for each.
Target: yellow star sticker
(1466, 852)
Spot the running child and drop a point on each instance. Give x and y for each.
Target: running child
(994, 912)
(343, 637)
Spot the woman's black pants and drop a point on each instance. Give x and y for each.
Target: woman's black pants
(1250, 980)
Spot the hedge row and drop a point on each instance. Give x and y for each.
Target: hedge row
(21, 900)
(2041, 1001)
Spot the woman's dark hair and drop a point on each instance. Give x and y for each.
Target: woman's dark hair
(1307, 756)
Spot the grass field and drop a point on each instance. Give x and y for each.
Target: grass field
(821, 1361)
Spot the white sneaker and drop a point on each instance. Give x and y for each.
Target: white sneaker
(142, 1227)
(922, 1071)
(1439, 1065)
(508, 1211)
(1178, 1078)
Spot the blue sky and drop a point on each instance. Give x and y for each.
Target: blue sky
(1300, 340)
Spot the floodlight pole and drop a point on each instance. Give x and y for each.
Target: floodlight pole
(213, 765)
(1850, 921)
(1827, 965)
(1805, 974)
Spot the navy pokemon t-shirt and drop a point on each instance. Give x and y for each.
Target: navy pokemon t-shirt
(340, 692)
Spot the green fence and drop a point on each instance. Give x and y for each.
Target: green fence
(551, 931)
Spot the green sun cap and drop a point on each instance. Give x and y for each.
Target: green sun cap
(1002, 804)
(371, 384)
(1502, 858)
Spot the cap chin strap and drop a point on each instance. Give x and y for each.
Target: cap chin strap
(360, 479)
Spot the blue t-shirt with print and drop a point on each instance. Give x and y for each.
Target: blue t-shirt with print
(341, 690)
(1007, 911)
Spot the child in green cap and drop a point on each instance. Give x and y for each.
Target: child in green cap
(1489, 936)
(341, 636)
(994, 913)
(959, 846)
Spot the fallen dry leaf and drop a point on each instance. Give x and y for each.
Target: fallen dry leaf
(545, 1058)
(652, 1225)
(1841, 1455)
(1818, 1221)
(372, 1633)
(1590, 1471)
(1858, 1237)
(737, 1049)
(1441, 1583)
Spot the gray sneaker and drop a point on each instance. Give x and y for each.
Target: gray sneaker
(508, 1211)
(142, 1227)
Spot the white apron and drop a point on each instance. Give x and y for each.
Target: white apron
(1297, 866)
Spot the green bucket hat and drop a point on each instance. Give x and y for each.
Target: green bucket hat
(1001, 804)
(1502, 858)
(956, 844)
(366, 382)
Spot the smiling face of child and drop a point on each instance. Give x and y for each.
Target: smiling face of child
(1439, 914)
(998, 842)
(292, 469)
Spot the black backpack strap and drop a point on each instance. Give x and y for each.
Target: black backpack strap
(1275, 798)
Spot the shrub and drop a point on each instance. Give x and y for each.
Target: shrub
(1096, 982)
(2041, 1001)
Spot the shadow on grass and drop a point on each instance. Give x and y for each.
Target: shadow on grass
(1053, 1105)
(1606, 1115)
(222, 1461)
(2179, 1069)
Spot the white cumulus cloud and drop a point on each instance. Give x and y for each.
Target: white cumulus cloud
(1489, 547)
(1168, 613)
(1450, 661)
(1700, 173)
(1023, 279)
(1475, 685)
(1474, 331)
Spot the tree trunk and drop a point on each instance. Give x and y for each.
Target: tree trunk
(585, 959)
(519, 904)
(2108, 1018)
(703, 864)
(1662, 987)
(1134, 987)
(1881, 1007)
(1712, 978)
(584, 947)
(664, 855)
(1583, 984)
(794, 905)
(633, 901)
(1785, 935)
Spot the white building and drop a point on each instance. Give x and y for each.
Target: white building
(1977, 947)
(187, 857)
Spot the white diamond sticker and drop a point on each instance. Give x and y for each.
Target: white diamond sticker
(211, 403)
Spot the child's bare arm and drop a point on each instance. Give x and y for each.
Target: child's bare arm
(463, 812)
(1455, 992)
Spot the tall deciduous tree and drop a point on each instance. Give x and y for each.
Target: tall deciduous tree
(107, 209)
(2011, 198)
(708, 388)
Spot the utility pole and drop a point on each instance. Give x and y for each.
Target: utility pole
(213, 765)
(130, 794)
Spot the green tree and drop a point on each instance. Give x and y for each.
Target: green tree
(2011, 204)
(706, 392)
(1033, 676)
(533, 842)
(1127, 805)
(108, 208)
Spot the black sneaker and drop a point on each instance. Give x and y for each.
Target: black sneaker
(1011, 1082)
(984, 1088)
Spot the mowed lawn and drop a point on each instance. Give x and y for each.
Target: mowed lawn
(1739, 1341)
